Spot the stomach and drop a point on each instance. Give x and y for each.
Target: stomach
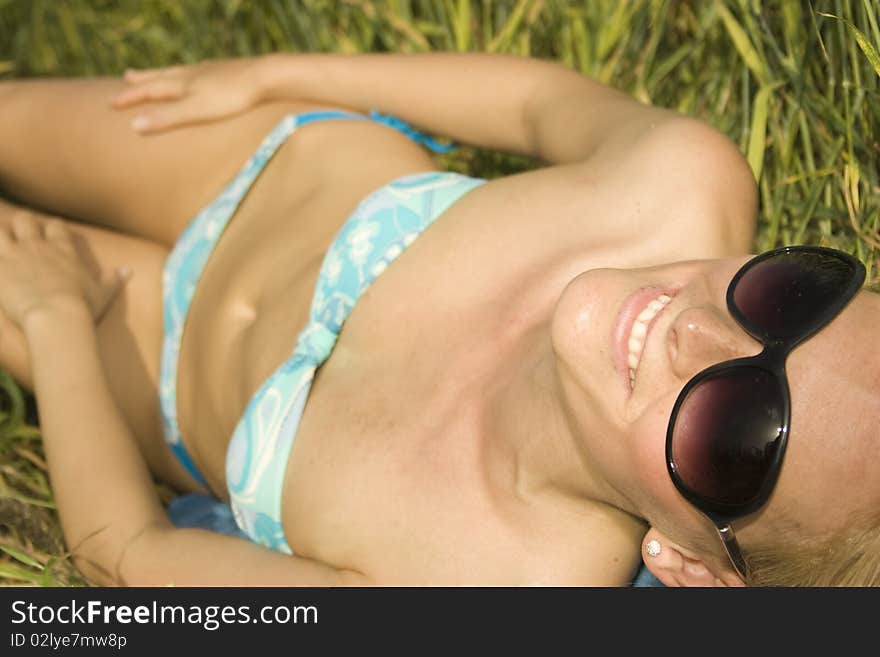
(255, 292)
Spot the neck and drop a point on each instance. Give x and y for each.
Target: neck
(533, 446)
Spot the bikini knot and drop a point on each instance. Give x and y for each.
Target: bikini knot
(316, 342)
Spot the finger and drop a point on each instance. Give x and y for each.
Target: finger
(14, 349)
(6, 239)
(25, 227)
(111, 284)
(150, 91)
(116, 280)
(56, 231)
(158, 120)
(155, 90)
(124, 274)
(143, 74)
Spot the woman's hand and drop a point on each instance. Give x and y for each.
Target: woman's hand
(182, 95)
(40, 268)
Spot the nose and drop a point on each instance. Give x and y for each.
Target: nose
(704, 335)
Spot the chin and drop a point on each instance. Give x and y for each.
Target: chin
(578, 319)
(580, 335)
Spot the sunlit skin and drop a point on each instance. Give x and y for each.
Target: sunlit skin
(618, 442)
(474, 423)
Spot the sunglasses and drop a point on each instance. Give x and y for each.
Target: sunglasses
(730, 424)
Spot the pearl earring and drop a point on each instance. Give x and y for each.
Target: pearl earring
(652, 548)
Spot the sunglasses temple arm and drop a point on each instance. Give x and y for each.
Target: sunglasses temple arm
(728, 539)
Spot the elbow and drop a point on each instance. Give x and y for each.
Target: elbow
(101, 555)
(96, 567)
(550, 91)
(722, 174)
(706, 172)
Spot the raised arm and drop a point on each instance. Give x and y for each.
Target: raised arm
(692, 176)
(515, 104)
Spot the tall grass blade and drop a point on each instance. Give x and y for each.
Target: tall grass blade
(18, 555)
(758, 129)
(862, 41)
(742, 43)
(501, 42)
(17, 573)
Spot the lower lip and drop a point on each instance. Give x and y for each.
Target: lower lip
(630, 310)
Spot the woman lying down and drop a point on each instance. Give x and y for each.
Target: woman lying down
(252, 280)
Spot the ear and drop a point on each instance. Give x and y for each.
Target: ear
(674, 565)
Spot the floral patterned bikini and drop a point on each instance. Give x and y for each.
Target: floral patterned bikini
(379, 229)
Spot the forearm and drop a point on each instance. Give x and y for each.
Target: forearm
(103, 490)
(507, 103)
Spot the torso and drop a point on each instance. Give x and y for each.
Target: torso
(389, 473)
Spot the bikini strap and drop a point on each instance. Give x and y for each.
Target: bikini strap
(416, 135)
(400, 125)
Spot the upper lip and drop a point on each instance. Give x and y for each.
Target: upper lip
(629, 311)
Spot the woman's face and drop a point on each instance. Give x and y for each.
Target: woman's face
(619, 391)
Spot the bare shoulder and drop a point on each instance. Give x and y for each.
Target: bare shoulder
(697, 185)
(674, 189)
(560, 541)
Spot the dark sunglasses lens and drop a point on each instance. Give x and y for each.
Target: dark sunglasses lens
(784, 293)
(727, 433)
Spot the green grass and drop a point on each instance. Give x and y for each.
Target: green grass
(795, 84)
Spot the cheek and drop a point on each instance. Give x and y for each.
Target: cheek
(655, 492)
(658, 499)
(649, 448)
(576, 320)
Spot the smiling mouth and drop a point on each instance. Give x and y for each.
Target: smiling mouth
(639, 332)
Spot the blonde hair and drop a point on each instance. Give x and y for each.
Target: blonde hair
(846, 558)
(850, 557)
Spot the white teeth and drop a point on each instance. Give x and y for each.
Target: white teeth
(635, 345)
(638, 332)
(646, 315)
